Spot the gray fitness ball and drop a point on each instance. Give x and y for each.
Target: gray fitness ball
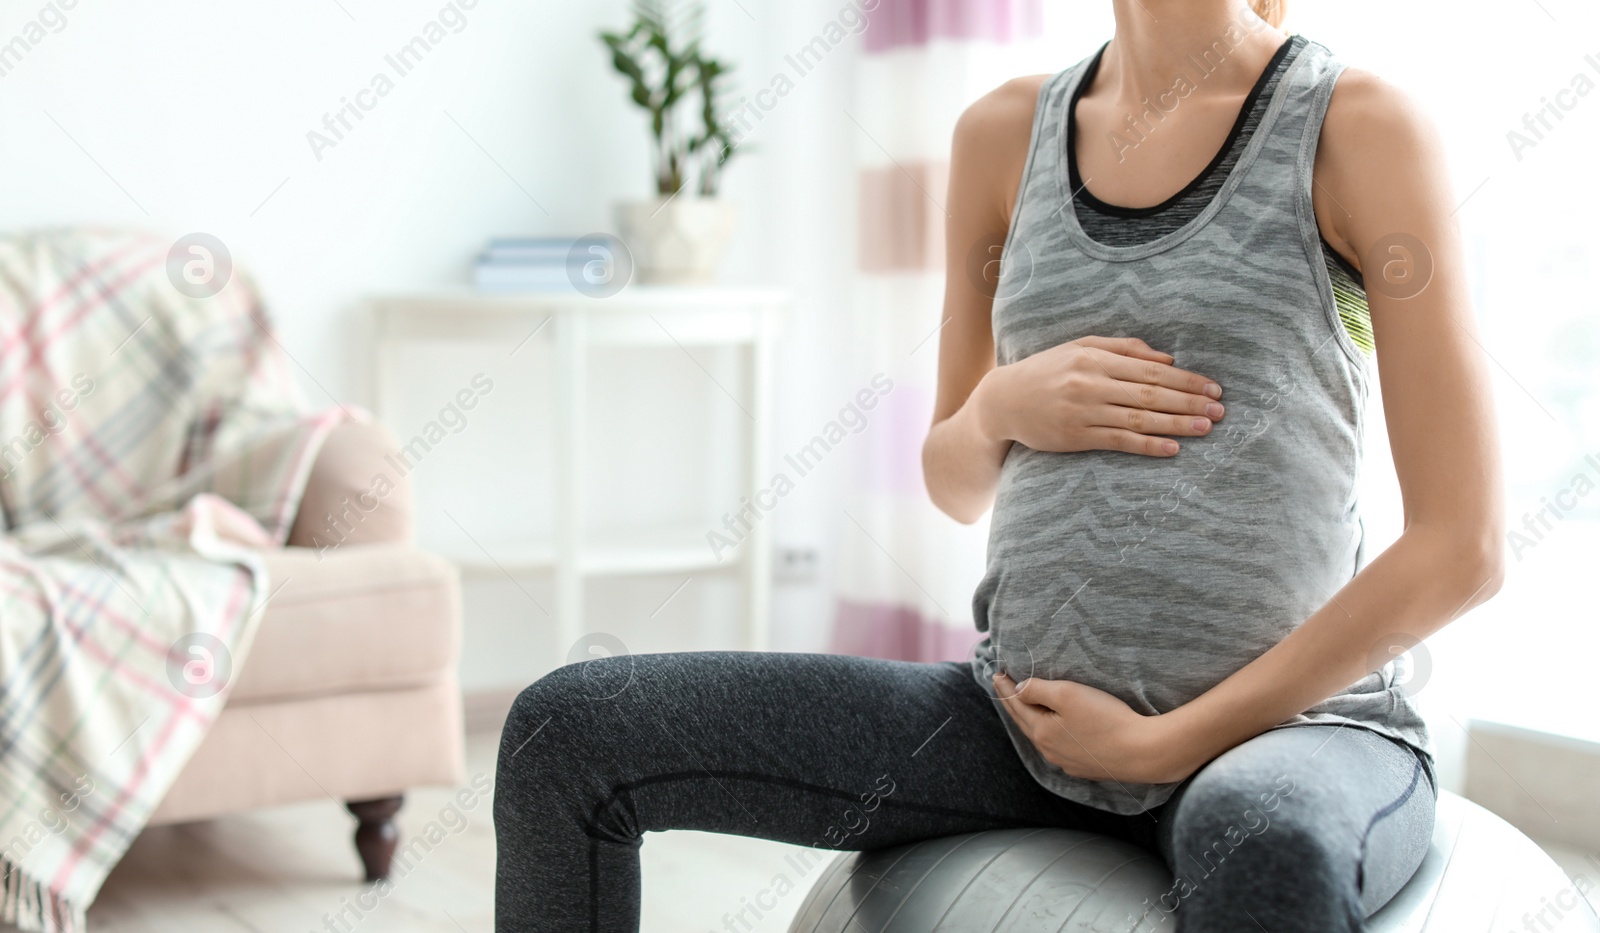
(1479, 870)
(1005, 881)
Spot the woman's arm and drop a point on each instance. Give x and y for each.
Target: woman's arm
(961, 456)
(1094, 393)
(1380, 177)
(1382, 182)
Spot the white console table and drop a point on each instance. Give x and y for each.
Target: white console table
(571, 323)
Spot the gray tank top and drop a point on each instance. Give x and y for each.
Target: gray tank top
(1154, 579)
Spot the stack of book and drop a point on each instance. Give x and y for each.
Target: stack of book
(524, 264)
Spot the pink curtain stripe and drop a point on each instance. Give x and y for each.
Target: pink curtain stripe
(898, 23)
(922, 58)
(895, 465)
(877, 630)
(902, 228)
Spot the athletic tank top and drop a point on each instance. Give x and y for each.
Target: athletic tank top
(1127, 226)
(1154, 579)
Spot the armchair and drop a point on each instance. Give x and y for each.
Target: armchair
(350, 688)
(154, 452)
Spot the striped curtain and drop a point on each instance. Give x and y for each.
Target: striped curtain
(907, 571)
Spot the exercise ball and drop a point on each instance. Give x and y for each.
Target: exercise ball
(1005, 881)
(1479, 870)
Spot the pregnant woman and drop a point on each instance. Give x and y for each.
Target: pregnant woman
(1207, 227)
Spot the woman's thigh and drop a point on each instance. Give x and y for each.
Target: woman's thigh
(814, 749)
(818, 750)
(1311, 827)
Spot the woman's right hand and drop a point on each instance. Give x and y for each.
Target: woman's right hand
(1097, 393)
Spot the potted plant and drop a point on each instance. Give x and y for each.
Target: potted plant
(679, 236)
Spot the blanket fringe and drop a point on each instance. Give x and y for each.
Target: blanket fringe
(29, 905)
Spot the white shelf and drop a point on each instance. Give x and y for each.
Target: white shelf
(515, 559)
(680, 550)
(621, 560)
(569, 325)
(640, 316)
(634, 298)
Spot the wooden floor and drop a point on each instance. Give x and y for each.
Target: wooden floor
(290, 869)
(1578, 864)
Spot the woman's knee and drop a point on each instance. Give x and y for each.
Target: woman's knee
(572, 711)
(1222, 814)
(574, 692)
(1240, 839)
(571, 740)
(1235, 791)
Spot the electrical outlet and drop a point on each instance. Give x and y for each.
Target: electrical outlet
(795, 564)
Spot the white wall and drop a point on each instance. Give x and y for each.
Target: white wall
(187, 116)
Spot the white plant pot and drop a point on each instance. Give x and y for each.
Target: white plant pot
(676, 241)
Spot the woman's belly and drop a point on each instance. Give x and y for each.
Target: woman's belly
(1154, 579)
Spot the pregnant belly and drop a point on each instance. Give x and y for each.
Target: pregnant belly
(1155, 579)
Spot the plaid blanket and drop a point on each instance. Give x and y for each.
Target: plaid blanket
(151, 443)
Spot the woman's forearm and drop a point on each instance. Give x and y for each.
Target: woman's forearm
(1414, 588)
(961, 458)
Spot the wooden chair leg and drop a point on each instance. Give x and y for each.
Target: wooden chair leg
(377, 834)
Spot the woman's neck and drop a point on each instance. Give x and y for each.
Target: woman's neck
(1159, 40)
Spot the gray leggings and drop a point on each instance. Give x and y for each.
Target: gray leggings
(850, 753)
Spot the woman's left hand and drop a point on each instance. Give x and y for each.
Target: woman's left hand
(1091, 734)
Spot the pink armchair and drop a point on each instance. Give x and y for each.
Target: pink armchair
(350, 689)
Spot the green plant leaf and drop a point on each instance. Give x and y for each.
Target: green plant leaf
(663, 57)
